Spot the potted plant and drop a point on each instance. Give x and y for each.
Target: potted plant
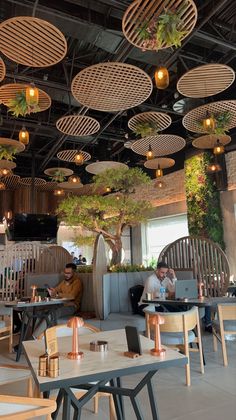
(18, 105)
(164, 29)
(7, 152)
(145, 129)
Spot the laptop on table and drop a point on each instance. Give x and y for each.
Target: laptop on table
(186, 289)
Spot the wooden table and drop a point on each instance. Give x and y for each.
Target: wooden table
(31, 312)
(104, 367)
(201, 303)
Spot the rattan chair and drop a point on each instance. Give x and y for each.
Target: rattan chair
(224, 326)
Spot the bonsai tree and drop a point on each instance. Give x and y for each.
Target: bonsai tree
(108, 214)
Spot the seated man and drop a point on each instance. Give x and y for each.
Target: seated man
(71, 287)
(164, 277)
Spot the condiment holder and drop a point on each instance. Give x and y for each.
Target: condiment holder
(99, 345)
(48, 366)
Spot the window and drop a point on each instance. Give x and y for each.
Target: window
(161, 232)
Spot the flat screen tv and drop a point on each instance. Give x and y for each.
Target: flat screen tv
(31, 227)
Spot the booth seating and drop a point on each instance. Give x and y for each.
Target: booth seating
(116, 304)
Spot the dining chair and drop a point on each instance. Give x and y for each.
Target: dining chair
(6, 325)
(10, 373)
(21, 408)
(180, 329)
(223, 326)
(62, 330)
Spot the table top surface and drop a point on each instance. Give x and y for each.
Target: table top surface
(20, 304)
(212, 301)
(96, 366)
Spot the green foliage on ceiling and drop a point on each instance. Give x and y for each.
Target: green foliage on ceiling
(18, 105)
(58, 176)
(7, 152)
(165, 29)
(203, 200)
(222, 120)
(145, 129)
(123, 180)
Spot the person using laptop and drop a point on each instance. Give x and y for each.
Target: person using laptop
(163, 277)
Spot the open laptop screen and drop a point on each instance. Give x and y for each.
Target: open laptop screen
(186, 289)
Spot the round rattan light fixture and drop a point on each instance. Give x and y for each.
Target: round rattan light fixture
(2, 69)
(27, 182)
(160, 119)
(210, 140)
(142, 12)
(11, 182)
(162, 163)
(12, 144)
(111, 86)
(69, 155)
(162, 144)
(48, 186)
(63, 171)
(192, 118)
(98, 167)
(70, 185)
(32, 42)
(206, 80)
(9, 91)
(78, 125)
(7, 164)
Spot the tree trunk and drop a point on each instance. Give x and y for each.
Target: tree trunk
(116, 248)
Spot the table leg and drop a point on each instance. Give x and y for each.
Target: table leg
(117, 402)
(66, 407)
(154, 409)
(136, 408)
(23, 332)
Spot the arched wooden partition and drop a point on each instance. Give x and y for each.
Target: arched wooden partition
(21, 259)
(205, 258)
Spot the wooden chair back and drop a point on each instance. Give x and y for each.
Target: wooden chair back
(6, 315)
(205, 258)
(179, 321)
(62, 330)
(227, 312)
(25, 408)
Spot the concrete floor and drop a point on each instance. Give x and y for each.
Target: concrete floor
(212, 396)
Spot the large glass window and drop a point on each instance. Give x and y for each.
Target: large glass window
(161, 232)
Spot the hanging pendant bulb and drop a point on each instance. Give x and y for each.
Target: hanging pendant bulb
(108, 189)
(58, 192)
(5, 172)
(159, 172)
(74, 179)
(24, 136)
(150, 154)
(2, 186)
(218, 148)
(162, 78)
(32, 95)
(79, 160)
(209, 123)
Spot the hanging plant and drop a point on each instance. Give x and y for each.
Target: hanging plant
(18, 105)
(222, 120)
(145, 129)
(165, 29)
(58, 176)
(7, 152)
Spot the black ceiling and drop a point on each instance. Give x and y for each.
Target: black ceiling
(94, 35)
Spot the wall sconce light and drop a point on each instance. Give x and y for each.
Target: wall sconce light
(162, 79)
(160, 184)
(218, 148)
(214, 167)
(32, 95)
(150, 154)
(79, 160)
(24, 136)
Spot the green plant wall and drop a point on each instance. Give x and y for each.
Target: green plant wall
(203, 200)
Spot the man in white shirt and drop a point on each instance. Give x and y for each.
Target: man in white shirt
(162, 277)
